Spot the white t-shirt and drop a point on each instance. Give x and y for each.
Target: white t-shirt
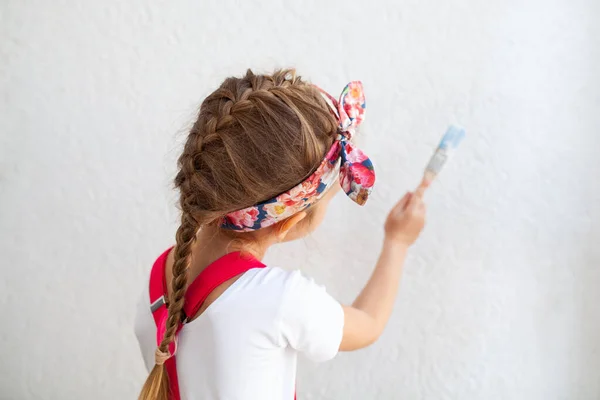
(245, 344)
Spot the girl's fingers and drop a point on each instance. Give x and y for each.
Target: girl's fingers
(414, 202)
(401, 205)
(404, 201)
(420, 191)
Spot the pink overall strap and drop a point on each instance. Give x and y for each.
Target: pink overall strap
(220, 271)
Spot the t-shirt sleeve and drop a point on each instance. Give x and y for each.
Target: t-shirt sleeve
(312, 322)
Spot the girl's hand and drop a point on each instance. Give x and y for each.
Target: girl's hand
(406, 220)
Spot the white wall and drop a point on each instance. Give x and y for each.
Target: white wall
(500, 296)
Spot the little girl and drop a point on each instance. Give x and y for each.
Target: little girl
(259, 167)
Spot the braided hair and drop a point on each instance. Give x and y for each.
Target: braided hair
(255, 137)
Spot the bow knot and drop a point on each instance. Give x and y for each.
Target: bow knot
(357, 175)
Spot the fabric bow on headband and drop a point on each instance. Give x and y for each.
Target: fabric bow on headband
(343, 160)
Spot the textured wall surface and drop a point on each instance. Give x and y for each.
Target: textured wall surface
(499, 298)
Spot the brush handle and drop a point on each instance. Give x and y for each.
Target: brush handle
(449, 142)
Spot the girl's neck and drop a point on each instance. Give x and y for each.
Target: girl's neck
(212, 244)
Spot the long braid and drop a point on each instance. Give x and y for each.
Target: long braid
(157, 384)
(186, 235)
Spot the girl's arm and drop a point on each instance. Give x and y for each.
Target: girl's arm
(365, 320)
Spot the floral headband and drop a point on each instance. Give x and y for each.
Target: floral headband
(355, 170)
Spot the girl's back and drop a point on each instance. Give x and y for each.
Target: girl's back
(243, 345)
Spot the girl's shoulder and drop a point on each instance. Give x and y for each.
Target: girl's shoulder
(270, 280)
(286, 280)
(291, 291)
(284, 289)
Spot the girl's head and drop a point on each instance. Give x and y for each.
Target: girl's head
(255, 137)
(263, 149)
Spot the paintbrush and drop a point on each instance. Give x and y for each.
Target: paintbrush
(449, 142)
